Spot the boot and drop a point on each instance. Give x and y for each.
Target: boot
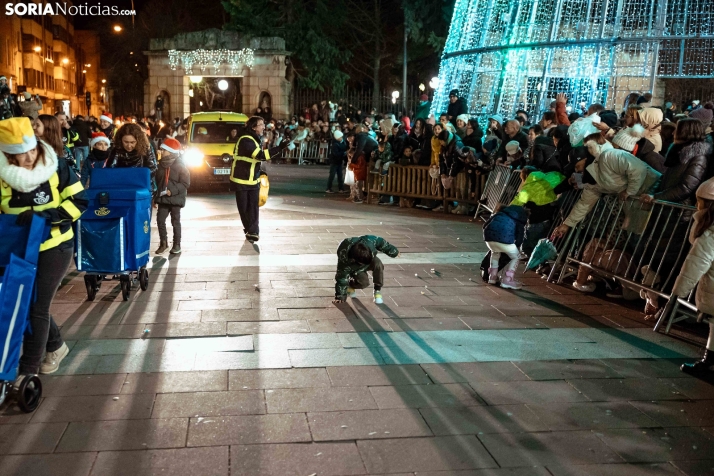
(509, 282)
(163, 246)
(492, 275)
(176, 249)
(700, 368)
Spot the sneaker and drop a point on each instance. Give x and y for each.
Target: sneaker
(492, 275)
(163, 246)
(508, 282)
(357, 200)
(351, 292)
(53, 360)
(440, 208)
(344, 191)
(252, 237)
(585, 288)
(386, 203)
(329, 191)
(176, 249)
(615, 293)
(378, 297)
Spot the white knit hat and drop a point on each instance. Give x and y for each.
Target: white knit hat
(706, 190)
(463, 117)
(628, 137)
(513, 147)
(337, 135)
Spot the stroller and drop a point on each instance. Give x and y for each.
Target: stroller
(113, 236)
(19, 251)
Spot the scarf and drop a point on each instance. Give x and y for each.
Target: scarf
(23, 180)
(651, 119)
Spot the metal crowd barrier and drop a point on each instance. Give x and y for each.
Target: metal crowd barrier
(642, 246)
(501, 187)
(306, 151)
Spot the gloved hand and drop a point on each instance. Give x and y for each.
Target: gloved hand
(25, 218)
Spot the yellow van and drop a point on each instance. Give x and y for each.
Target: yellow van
(210, 142)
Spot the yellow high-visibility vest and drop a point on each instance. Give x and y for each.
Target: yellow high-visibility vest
(241, 165)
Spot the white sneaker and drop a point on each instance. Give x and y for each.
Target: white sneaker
(585, 288)
(53, 360)
(351, 292)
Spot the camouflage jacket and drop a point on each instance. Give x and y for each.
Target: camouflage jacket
(347, 268)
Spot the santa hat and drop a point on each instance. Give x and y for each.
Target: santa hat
(628, 137)
(17, 136)
(98, 137)
(171, 145)
(106, 117)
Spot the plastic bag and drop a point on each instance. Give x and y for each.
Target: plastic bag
(582, 128)
(543, 251)
(349, 177)
(264, 189)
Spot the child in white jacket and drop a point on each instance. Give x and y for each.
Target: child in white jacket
(699, 268)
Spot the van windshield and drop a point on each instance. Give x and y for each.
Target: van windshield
(216, 132)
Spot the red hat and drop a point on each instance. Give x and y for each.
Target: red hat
(424, 97)
(106, 116)
(98, 137)
(171, 145)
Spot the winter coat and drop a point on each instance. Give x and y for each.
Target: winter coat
(545, 157)
(175, 178)
(90, 163)
(614, 171)
(109, 132)
(522, 139)
(686, 169)
(647, 154)
(338, 151)
(359, 167)
(422, 110)
(698, 267)
(84, 132)
(474, 140)
(507, 226)
(435, 150)
(561, 114)
(451, 157)
(31, 108)
(118, 159)
(456, 109)
(365, 144)
(347, 268)
(397, 142)
(650, 119)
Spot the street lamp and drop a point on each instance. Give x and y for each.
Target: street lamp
(65, 60)
(395, 96)
(434, 83)
(195, 79)
(37, 49)
(104, 81)
(422, 87)
(222, 84)
(117, 28)
(84, 71)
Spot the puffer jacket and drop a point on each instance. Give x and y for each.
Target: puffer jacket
(698, 267)
(451, 157)
(347, 268)
(545, 158)
(686, 169)
(647, 154)
(175, 178)
(507, 226)
(614, 171)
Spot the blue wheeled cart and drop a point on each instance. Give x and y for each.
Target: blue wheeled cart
(19, 251)
(114, 234)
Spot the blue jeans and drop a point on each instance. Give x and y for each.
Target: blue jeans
(80, 154)
(336, 169)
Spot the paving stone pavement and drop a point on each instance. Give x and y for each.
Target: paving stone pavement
(235, 362)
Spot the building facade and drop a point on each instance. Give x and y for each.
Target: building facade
(217, 70)
(44, 55)
(505, 55)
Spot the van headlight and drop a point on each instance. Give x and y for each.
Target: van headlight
(193, 157)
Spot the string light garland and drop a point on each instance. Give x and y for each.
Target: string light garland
(204, 59)
(505, 55)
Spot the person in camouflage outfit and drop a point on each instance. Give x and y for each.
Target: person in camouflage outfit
(356, 256)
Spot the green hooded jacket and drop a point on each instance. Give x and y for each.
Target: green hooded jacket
(347, 268)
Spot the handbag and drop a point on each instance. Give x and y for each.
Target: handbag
(349, 177)
(447, 181)
(264, 189)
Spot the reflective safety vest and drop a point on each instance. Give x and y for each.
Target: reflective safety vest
(47, 196)
(70, 137)
(243, 169)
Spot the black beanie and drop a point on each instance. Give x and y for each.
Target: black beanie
(608, 117)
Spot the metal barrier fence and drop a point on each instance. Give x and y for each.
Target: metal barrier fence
(641, 246)
(502, 186)
(308, 151)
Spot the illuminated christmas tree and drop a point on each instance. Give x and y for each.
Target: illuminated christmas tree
(505, 55)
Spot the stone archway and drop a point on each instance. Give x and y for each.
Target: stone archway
(265, 103)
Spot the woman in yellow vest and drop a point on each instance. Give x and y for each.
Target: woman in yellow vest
(245, 174)
(33, 181)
